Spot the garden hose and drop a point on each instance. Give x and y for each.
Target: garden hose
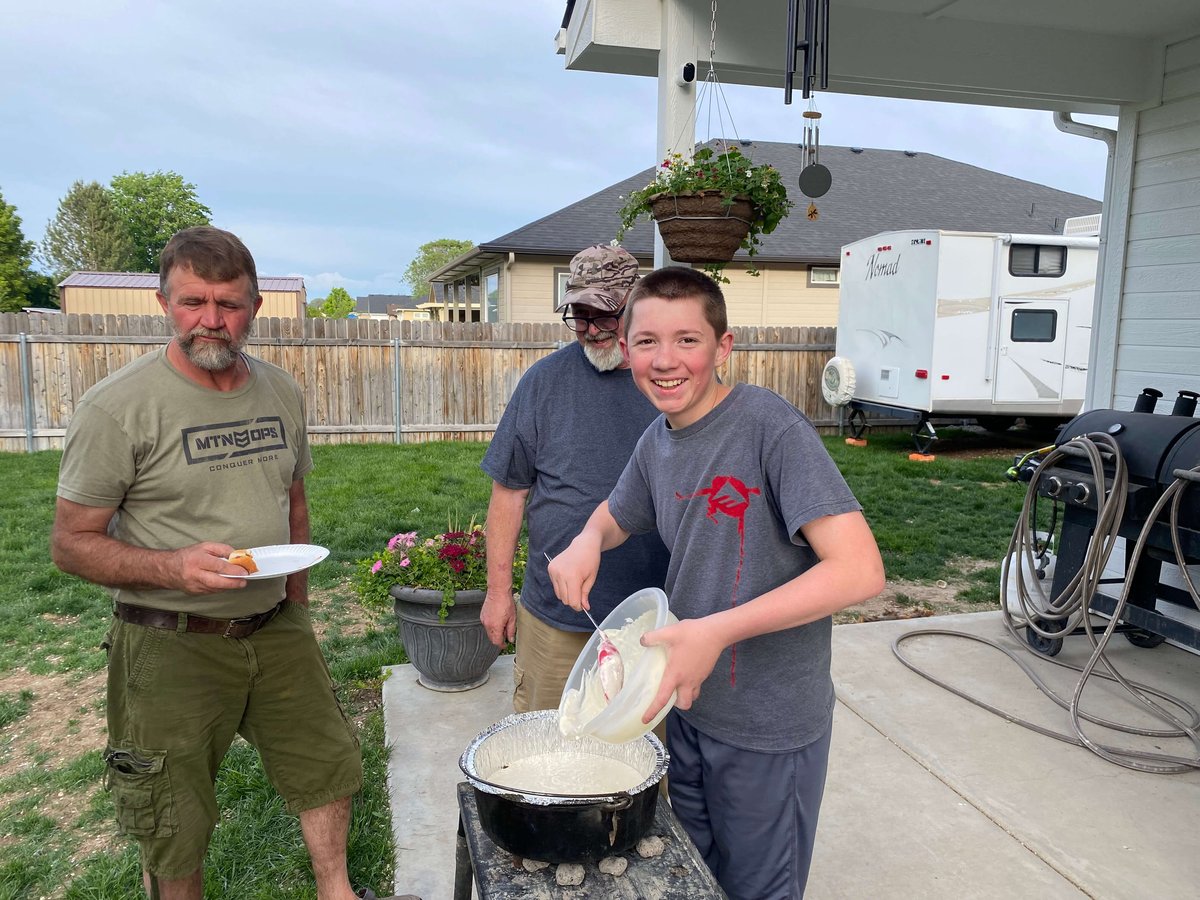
(1073, 600)
(1018, 468)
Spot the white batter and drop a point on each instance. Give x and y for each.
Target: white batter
(567, 773)
(582, 705)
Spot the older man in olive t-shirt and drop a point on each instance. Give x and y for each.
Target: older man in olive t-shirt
(170, 464)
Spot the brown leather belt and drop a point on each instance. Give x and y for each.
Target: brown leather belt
(161, 618)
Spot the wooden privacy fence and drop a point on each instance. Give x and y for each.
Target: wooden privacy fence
(364, 380)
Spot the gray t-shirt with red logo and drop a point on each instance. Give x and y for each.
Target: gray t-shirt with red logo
(182, 463)
(729, 494)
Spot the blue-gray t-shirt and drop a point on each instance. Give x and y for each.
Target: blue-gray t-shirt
(729, 495)
(566, 435)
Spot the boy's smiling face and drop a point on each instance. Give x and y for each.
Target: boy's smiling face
(674, 354)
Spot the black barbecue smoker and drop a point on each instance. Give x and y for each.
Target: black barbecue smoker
(1129, 474)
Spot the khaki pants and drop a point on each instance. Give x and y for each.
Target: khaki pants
(545, 655)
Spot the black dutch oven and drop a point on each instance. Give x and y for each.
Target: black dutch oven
(560, 828)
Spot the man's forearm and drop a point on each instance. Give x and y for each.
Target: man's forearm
(296, 587)
(506, 512)
(106, 561)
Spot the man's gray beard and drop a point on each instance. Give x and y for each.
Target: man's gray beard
(211, 357)
(604, 360)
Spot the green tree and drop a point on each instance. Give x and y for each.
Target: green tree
(87, 233)
(15, 256)
(338, 305)
(154, 206)
(430, 258)
(43, 291)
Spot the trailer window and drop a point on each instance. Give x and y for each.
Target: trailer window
(1037, 260)
(1034, 325)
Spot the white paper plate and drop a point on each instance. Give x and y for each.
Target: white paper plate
(283, 559)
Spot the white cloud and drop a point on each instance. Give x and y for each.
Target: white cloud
(337, 138)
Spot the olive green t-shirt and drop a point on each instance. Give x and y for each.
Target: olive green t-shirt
(182, 463)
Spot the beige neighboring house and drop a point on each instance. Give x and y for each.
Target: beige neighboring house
(133, 294)
(520, 276)
(404, 307)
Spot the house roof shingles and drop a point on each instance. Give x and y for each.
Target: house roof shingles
(873, 191)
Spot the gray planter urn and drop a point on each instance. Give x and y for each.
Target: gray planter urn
(450, 655)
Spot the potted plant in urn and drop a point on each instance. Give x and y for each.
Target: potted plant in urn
(709, 206)
(436, 586)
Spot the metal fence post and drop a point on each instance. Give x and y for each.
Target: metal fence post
(26, 389)
(397, 381)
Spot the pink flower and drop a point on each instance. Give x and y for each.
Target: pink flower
(405, 563)
(403, 539)
(378, 565)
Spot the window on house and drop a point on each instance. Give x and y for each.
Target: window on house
(1037, 260)
(561, 275)
(491, 291)
(824, 276)
(1034, 325)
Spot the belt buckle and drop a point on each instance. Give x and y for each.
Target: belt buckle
(245, 620)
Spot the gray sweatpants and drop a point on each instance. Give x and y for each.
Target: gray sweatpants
(752, 815)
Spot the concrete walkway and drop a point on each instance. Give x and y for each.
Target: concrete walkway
(928, 796)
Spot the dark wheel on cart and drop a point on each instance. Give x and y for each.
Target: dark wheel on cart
(1140, 637)
(1044, 645)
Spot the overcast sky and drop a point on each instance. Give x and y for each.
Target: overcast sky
(337, 137)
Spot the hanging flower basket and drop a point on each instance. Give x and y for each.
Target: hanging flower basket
(703, 227)
(709, 206)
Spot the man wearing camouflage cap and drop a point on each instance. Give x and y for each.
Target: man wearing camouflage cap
(565, 437)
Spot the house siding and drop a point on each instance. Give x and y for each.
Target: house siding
(780, 295)
(1158, 332)
(531, 279)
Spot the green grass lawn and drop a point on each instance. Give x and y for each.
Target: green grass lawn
(926, 516)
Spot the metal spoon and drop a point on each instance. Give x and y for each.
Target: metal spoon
(609, 666)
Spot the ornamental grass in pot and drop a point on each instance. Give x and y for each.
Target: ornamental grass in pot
(437, 585)
(710, 206)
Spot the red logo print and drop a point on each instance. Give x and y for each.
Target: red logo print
(728, 496)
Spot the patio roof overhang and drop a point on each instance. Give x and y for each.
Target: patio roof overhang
(469, 264)
(1089, 56)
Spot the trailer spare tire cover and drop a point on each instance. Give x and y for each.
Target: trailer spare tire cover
(837, 381)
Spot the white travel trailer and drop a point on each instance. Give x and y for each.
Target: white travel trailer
(944, 325)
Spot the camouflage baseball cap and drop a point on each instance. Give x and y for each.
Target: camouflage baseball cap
(601, 276)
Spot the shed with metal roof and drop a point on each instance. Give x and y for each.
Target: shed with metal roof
(133, 294)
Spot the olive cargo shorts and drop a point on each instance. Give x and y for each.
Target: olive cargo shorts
(175, 702)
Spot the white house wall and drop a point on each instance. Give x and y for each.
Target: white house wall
(1157, 322)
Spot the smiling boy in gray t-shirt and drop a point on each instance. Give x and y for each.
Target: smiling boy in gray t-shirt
(766, 543)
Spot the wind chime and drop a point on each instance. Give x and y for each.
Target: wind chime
(815, 179)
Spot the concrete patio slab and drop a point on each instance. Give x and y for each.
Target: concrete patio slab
(928, 796)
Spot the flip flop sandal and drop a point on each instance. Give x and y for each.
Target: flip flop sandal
(368, 894)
